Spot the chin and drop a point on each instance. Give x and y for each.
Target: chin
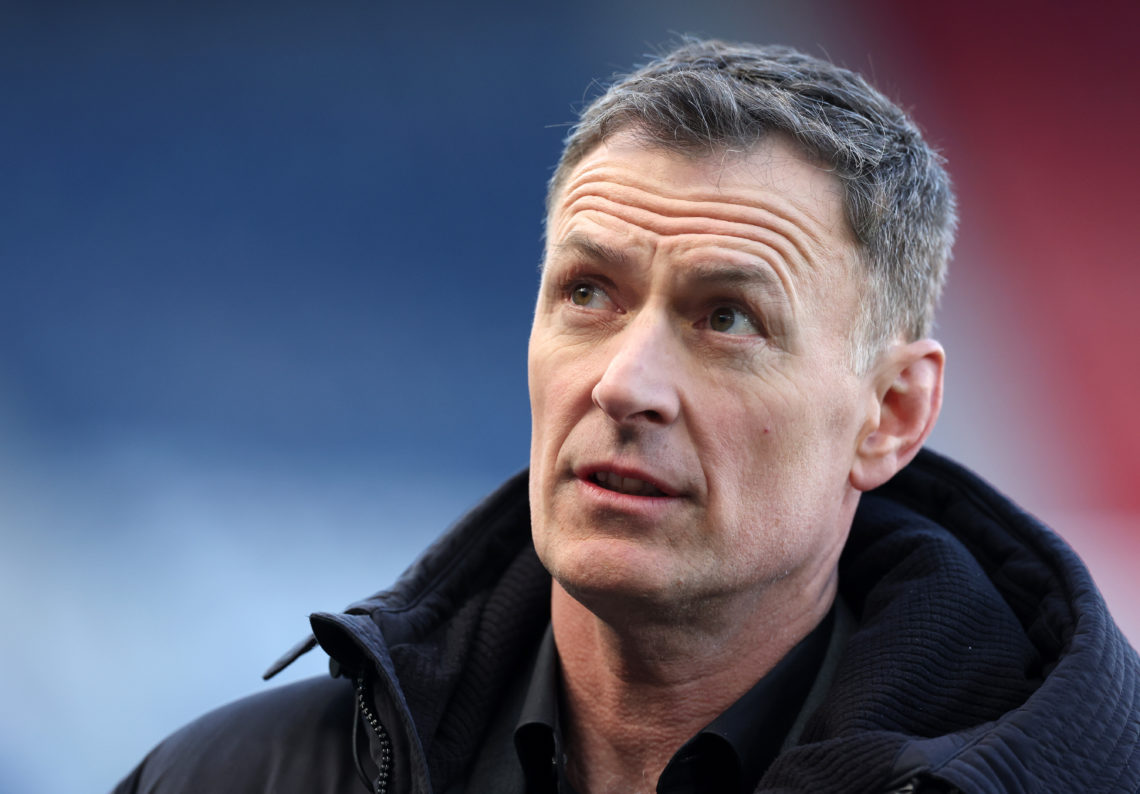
(611, 577)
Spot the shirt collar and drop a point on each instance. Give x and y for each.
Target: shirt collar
(746, 737)
(733, 751)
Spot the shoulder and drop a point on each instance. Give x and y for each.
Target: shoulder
(292, 738)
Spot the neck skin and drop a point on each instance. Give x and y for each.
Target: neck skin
(635, 690)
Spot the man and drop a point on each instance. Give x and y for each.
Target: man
(712, 579)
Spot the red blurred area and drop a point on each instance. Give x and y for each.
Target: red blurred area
(1035, 106)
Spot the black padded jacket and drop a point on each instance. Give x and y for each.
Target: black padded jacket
(982, 659)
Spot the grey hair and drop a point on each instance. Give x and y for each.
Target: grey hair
(707, 96)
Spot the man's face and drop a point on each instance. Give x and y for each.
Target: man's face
(695, 417)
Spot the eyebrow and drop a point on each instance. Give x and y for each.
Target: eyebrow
(740, 275)
(736, 275)
(578, 243)
(717, 273)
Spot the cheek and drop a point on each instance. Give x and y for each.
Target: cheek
(765, 464)
(540, 386)
(740, 452)
(560, 394)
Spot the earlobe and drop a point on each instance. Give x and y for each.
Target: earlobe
(908, 386)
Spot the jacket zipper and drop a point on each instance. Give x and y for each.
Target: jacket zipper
(380, 785)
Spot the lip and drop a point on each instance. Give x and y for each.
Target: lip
(585, 473)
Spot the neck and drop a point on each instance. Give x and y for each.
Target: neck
(636, 690)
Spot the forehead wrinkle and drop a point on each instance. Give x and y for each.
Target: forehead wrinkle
(783, 217)
(770, 245)
(795, 210)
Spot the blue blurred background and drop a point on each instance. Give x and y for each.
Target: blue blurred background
(266, 271)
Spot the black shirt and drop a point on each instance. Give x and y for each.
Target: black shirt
(730, 754)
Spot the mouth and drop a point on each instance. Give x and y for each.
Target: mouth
(624, 485)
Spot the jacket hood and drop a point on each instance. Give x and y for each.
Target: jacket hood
(985, 657)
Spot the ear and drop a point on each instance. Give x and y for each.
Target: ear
(907, 384)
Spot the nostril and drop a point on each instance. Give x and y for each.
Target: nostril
(639, 382)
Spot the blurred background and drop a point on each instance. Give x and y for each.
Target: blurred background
(266, 272)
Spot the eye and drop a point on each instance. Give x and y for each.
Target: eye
(588, 296)
(730, 320)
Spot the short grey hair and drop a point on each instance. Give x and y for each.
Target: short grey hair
(706, 96)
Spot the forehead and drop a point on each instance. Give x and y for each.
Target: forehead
(771, 202)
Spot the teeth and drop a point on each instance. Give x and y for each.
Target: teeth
(626, 485)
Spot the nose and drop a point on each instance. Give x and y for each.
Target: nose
(640, 380)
